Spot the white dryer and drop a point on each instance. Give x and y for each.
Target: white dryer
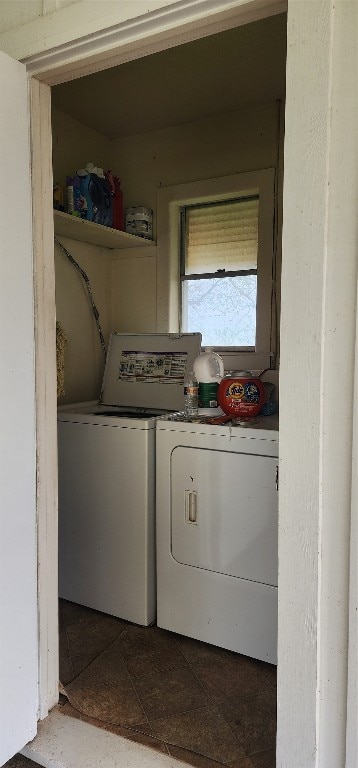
(106, 456)
(217, 530)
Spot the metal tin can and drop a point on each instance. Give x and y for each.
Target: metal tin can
(139, 221)
(241, 394)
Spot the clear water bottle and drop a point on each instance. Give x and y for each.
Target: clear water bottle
(191, 393)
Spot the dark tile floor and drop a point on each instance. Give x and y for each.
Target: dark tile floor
(20, 762)
(198, 703)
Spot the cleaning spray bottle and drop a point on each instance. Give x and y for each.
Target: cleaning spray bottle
(84, 178)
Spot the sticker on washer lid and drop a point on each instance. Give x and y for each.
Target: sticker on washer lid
(152, 367)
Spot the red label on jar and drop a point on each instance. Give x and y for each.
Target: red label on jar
(241, 397)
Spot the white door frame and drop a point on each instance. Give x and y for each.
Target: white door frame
(319, 282)
(352, 699)
(18, 537)
(317, 344)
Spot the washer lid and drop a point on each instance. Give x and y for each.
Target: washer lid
(148, 370)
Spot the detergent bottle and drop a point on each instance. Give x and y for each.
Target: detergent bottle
(209, 370)
(241, 394)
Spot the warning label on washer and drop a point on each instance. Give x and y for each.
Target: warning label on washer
(152, 367)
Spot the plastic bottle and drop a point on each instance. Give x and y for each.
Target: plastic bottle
(117, 200)
(119, 205)
(85, 178)
(76, 203)
(191, 396)
(209, 370)
(96, 191)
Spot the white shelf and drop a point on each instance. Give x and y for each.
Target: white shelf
(95, 234)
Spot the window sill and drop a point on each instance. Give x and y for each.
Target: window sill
(244, 360)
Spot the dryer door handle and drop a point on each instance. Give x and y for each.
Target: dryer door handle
(190, 507)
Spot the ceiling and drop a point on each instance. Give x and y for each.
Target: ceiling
(239, 68)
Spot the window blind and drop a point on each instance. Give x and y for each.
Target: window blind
(221, 236)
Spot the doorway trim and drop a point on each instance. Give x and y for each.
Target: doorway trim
(174, 24)
(324, 26)
(46, 390)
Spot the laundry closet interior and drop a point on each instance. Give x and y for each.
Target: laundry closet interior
(198, 117)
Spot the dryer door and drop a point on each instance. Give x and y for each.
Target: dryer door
(224, 512)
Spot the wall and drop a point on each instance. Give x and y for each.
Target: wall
(84, 359)
(50, 23)
(240, 141)
(124, 282)
(16, 13)
(318, 342)
(74, 145)
(309, 57)
(133, 290)
(18, 445)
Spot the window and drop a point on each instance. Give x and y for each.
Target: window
(218, 274)
(190, 287)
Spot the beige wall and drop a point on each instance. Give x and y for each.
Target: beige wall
(240, 141)
(14, 13)
(133, 291)
(244, 140)
(50, 23)
(126, 287)
(84, 359)
(124, 282)
(74, 145)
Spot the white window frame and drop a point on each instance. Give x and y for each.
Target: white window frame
(214, 273)
(169, 202)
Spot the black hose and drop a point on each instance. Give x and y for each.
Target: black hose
(89, 291)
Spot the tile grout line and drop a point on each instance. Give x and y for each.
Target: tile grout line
(70, 656)
(134, 689)
(135, 730)
(185, 663)
(96, 657)
(217, 707)
(127, 727)
(157, 738)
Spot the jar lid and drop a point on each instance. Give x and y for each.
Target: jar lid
(239, 374)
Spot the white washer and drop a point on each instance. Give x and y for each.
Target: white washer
(107, 475)
(217, 529)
